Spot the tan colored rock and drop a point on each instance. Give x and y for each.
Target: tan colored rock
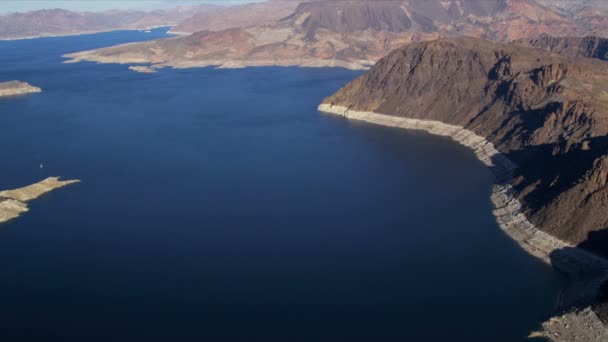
(583, 326)
(13, 88)
(142, 69)
(13, 202)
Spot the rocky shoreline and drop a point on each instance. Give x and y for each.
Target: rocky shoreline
(13, 202)
(507, 207)
(90, 56)
(13, 88)
(565, 257)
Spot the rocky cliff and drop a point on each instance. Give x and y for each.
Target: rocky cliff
(540, 121)
(589, 46)
(548, 113)
(12, 88)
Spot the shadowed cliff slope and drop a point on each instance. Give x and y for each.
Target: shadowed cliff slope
(546, 112)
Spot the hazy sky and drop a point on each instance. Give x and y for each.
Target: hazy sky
(7, 6)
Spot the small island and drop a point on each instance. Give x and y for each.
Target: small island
(13, 88)
(13, 202)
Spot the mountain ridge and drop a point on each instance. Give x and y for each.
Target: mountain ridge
(60, 22)
(351, 34)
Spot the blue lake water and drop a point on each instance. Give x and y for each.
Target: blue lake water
(219, 205)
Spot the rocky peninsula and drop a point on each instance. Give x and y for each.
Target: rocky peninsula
(13, 203)
(537, 119)
(13, 88)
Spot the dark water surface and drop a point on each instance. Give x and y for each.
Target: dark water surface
(218, 205)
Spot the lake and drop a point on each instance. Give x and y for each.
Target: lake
(219, 205)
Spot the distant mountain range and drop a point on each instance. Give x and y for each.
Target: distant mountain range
(347, 33)
(59, 22)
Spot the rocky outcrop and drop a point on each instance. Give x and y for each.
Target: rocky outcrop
(582, 325)
(537, 119)
(590, 46)
(14, 202)
(13, 88)
(545, 112)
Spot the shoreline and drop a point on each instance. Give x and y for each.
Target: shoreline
(82, 33)
(13, 203)
(507, 209)
(586, 270)
(89, 56)
(16, 88)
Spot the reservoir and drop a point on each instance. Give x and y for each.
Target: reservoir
(219, 205)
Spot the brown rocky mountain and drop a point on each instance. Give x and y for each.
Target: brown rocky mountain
(52, 22)
(590, 46)
(347, 33)
(590, 15)
(546, 112)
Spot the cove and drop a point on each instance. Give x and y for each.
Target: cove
(220, 205)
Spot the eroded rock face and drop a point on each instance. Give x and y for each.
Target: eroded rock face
(13, 88)
(590, 46)
(547, 113)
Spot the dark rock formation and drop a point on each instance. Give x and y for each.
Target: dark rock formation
(548, 113)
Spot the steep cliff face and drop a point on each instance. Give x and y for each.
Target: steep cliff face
(546, 112)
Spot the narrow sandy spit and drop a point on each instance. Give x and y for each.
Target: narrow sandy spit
(13, 202)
